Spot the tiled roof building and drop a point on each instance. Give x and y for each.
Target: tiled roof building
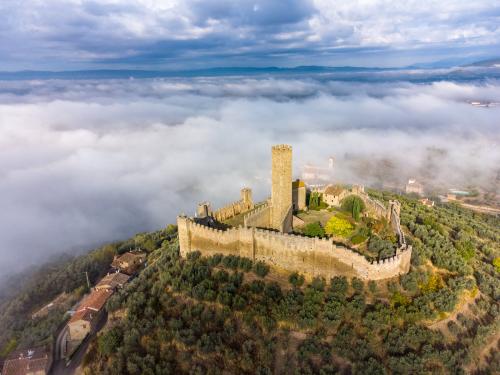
(35, 361)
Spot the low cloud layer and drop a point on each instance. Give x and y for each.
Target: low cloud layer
(85, 162)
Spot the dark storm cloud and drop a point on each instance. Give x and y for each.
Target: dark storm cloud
(85, 162)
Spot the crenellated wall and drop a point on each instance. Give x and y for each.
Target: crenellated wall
(260, 217)
(313, 256)
(243, 205)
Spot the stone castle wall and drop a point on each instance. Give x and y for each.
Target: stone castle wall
(259, 218)
(243, 205)
(313, 256)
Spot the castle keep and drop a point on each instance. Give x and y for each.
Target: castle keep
(265, 232)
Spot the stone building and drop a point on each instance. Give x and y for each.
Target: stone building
(129, 262)
(333, 195)
(413, 186)
(88, 314)
(112, 281)
(299, 195)
(265, 234)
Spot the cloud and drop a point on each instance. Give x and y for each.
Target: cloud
(70, 34)
(85, 162)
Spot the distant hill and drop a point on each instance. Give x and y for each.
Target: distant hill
(221, 71)
(487, 63)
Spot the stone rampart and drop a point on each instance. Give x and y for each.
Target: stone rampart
(232, 209)
(260, 217)
(373, 206)
(313, 256)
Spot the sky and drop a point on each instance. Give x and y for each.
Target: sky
(193, 34)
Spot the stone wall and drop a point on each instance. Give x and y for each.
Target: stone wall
(243, 205)
(259, 218)
(313, 256)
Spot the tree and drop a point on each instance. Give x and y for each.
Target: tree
(354, 205)
(356, 210)
(338, 227)
(109, 341)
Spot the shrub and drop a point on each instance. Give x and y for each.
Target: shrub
(357, 284)
(496, 263)
(314, 230)
(372, 286)
(261, 269)
(296, 279)
(338, 227)
(318, 283)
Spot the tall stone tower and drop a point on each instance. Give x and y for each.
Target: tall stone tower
(281, 193)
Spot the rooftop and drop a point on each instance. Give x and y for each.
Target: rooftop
(86, 315)
(21, 362)
(333, 190)
(95, 300)
(298, 183)
(129, 257)
(113, 279)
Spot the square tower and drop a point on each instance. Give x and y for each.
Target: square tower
(281, 187)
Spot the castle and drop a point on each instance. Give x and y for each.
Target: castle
(264, 233)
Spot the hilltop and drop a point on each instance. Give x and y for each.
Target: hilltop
(206, 314)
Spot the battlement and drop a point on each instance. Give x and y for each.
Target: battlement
(282, 147)
(243, 205)
(312, 255)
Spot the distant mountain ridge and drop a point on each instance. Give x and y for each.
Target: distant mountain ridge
(231, 71)
(138, 73)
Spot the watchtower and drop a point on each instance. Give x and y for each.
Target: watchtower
(281, 187)
(246, 197)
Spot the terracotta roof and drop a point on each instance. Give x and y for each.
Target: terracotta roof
(113, 280)
(86, 314)
(20, 362)
(333, 190)
(95, 300)
(129, 257)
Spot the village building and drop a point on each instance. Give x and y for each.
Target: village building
(427, 202)
(413, 186)
(333, 195)
(129, 262)
(88, 314)
(112, 281)
(35, 361)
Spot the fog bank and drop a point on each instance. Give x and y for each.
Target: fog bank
(85, 162)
